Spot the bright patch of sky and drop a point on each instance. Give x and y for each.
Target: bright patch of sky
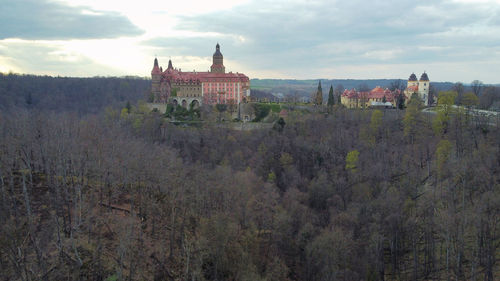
(453, 40)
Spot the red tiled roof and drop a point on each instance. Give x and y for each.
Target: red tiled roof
(155, 70)
(413, 88)
(377, 90)
(350, 93)
(376, 93)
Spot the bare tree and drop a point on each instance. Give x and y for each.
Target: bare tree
(460, 89)
(398, 84)
(477, 87)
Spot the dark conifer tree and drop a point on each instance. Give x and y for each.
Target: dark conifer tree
(318, 99)
(400, 101)
(128, 107)
(331, 99)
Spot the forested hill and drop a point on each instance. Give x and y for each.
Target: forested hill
(335, 195)
(82, 95)
(351, 195)
(91, 95)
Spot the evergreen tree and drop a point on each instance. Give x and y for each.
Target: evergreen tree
(331, 99)
(319, 95)
(279, 125)
(128, 107)
(400, 101)
(338, 93)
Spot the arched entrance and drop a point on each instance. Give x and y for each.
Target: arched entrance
(184, 103)
(195, 104)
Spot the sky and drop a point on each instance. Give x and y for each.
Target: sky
(451, 40)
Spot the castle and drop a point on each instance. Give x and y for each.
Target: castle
(375, 97)
(196, 88)
(420, 87)
(385, 97)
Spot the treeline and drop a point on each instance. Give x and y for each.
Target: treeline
(82, 95)
(488, 96)
(260, 94)
(92, 95)
(294, 90)
(351, 195)
(304, 87)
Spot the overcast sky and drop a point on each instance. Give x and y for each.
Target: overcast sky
(452, 40)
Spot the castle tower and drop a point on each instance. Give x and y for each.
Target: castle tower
(412, 81)
(217, 65)
(170, 67)
(155, 80)
(411, 87)
(423, 88)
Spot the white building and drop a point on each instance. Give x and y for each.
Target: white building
(420, 87)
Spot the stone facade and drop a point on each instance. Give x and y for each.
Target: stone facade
(216, 86)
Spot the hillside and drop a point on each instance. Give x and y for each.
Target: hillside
(80, 95)
(91, 95)
(351, 195)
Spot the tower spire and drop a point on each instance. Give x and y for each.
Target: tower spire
(156, 68)
(218, 61)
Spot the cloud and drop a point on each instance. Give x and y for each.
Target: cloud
(48, 58)
(45, 19)
(282, 38)
(300, 37)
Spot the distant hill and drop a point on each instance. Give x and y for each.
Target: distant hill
(306, 87)
(93, 94)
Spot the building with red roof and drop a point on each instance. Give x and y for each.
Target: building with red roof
(379, 96)
(356, 99)
(196, 88)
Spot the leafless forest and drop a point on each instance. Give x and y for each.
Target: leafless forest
(349, 195)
